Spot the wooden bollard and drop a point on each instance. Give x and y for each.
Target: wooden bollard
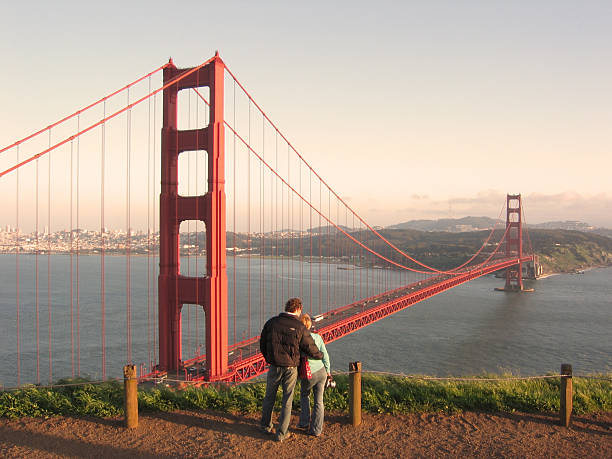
(355, 393)
(130, 384)
(566, 395)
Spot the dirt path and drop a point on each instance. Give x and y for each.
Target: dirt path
(212, 434)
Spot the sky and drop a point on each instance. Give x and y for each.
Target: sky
(409, 110)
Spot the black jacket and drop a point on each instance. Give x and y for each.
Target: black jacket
(282, 339)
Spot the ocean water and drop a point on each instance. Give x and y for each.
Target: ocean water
(468, 330)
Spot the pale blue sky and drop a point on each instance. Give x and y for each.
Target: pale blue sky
(408, 109)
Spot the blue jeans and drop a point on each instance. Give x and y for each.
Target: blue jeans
(317, 384)
(287, 376)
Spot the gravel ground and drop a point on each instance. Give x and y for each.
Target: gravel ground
(213, 434)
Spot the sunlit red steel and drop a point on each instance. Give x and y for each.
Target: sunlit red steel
(175, 289)
(514, 242)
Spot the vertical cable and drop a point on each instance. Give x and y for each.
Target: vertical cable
(102, 246)
(389, 270)
(149, 229)
(353, 262)
(360, 261)
(301, 232)
(282, 241)
(78, 291)
(310, 236)
(385, 252)
(49, 265)
(37, 280)
(290, 227)
(234, 211)
(249, 227)
(71, 260)
(155, 265)
(18, 248)
(276, 229)
(368, 267)
(261, 228)
(337, 252)
(347, 244)
(381, 274)
(128, 224)
(328, 246)
(320, 249)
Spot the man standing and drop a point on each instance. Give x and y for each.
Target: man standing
(282, 339)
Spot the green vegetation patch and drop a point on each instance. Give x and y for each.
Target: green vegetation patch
(380, 394)
(78, 398)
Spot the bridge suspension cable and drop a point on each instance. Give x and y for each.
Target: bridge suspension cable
(339, 228)
(84, 109)
(485, 242)
(103, 120)
(355, 214)
(526, 230)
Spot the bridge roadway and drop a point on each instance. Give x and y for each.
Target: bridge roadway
(246, 362)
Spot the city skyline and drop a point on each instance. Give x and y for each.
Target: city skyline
(439, 109)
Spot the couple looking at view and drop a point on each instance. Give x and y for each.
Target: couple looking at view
(283, 339)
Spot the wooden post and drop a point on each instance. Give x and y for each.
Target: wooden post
(566, 394)
(355, 393)
(130, 384)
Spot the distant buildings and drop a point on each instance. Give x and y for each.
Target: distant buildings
(81, 240)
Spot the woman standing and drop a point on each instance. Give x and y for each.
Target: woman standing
(320, 370)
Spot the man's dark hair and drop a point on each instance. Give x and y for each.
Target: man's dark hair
(293, 304)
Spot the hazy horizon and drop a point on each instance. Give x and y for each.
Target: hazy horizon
(184, 229)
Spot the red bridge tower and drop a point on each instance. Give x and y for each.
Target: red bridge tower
(210, 291)
(514, 242)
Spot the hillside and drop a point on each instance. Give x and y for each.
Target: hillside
(569, 251)
(559, 250)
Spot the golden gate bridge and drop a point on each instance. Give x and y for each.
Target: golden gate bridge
(232, 186)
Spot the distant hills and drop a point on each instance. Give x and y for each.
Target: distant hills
(465, 224)
(451, 225)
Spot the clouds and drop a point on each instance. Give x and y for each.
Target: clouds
(595, 209)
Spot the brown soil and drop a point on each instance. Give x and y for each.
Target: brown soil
(213, 434)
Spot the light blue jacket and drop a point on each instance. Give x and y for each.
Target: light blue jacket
(316, 365)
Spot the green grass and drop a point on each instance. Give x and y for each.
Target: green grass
(380, 394)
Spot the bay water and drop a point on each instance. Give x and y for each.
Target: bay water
(468, 330)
